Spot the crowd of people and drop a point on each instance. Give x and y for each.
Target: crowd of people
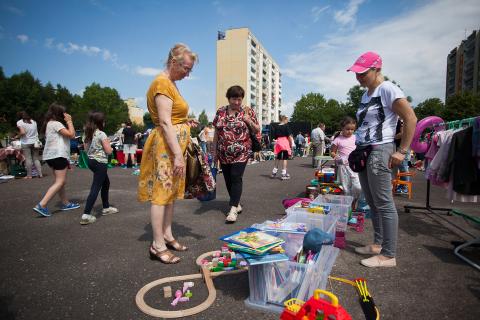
(385, 123)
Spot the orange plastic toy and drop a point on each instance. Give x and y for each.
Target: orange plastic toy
(315, 308)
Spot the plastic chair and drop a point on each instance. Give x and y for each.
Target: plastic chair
(398, 181)
(475, 221)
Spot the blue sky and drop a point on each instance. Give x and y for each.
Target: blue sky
(122, 44)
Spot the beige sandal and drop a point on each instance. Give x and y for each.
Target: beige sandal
(159, 255)
(175, 245)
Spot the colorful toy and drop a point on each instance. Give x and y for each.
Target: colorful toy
(223, 260)
(179, 298)
(315, 308)
(369, 309)
(186, 286)
(428, 122)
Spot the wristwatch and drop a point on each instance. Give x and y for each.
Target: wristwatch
(402, 151)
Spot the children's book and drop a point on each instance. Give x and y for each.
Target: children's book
(255, 239)
(258, 251)
(283, 226)
(251, 237)
(268, 258)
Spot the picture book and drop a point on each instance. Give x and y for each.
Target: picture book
(255, 239)
(283, 226)
(258, 251)
(268, 258)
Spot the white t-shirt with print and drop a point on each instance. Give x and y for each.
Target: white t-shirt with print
(95, 150)
(376, 120)
(56, 145)
(31, 132)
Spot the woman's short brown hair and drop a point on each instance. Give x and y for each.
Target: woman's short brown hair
(235, 92)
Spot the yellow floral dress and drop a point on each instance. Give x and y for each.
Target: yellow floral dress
(157, 183)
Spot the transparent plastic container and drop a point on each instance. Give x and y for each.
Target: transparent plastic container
(340, 206)
(324, 222)
(274, 283)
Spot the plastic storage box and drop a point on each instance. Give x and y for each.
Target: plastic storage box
(274, 283)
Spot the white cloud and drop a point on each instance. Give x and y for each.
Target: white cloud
(220, 9)
(348, 15)
(147, 71)
(23, 38)
(14, 10)
(414, 47)
(71, 48)
(317, 11)
(287, 108)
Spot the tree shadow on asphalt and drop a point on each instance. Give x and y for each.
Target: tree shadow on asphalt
(417, 224)
(445, 255)
(6, 311)
(475, 288)
(214, 206)
(235, 285)
(179, 231)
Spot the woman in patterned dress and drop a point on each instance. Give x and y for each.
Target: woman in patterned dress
(162, 171)
(233, 146)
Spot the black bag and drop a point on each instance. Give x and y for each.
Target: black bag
(357, 160)
(256, 146)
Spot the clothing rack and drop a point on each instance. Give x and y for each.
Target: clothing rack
(449, 125)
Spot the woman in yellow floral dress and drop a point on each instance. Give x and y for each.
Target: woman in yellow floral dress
(162, 171)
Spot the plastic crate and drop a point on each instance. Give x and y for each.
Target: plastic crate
(324, 222)
(340, 206)
(274, 283)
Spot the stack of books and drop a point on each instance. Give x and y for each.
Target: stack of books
(256, 246)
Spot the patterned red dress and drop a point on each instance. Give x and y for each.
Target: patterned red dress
(234, 144)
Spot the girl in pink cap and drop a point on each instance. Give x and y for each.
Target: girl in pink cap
(382, 104)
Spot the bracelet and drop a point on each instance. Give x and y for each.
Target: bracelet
(402, 151)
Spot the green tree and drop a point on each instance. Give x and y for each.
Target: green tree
(314, 108)
(429, 107)
(103, 99)
(147, 120)
(461, 106)
(309, 108)
(203, 118)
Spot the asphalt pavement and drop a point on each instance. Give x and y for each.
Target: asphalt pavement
(54, 268)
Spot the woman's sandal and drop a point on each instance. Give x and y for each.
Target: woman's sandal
(175, 245)
(159, 255)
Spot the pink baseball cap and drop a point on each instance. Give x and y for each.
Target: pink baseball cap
(365, 62)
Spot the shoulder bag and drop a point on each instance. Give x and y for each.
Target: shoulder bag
(256, 146)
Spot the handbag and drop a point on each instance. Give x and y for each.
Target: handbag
(357, 160)
(256, 146)
(199, 177)
(38, 144)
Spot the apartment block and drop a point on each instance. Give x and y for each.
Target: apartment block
(463, 66)
(243, 61)
(135, 113)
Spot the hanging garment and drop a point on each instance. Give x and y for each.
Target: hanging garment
(462, 165)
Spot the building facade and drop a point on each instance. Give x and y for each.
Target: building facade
(243, 61)
(135, 113)
(463, 67)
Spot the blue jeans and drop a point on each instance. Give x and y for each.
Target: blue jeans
(403, 167)
(377, 187)
(203, 145)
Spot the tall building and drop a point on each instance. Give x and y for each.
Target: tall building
(463, 66)
(243, 61)
(135, 113)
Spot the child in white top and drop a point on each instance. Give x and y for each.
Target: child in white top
(57, 154)
(98, 148)
(342, 146)
(27, 131)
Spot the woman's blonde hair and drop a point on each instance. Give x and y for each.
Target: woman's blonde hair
(178, 52)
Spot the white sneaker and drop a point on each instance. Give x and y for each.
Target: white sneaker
(87, 219)
(232, 215)
(239, 208)
(109, 210)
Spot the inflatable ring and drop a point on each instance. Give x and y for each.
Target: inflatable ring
(417, 145)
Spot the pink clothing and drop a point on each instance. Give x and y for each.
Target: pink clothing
(345, 146)
(282, 144)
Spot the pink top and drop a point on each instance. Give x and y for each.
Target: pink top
(344, 147)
